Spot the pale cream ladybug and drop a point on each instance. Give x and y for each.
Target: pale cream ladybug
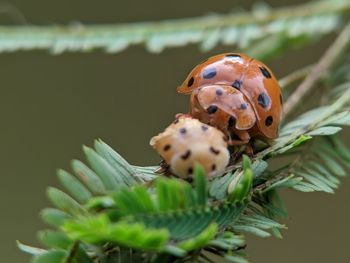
(187, 142)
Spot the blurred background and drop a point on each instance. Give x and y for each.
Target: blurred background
(51, 105)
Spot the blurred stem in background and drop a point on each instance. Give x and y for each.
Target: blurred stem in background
(276, 30)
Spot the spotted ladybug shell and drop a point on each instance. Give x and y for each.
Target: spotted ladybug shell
(247, 76)
(188, 142)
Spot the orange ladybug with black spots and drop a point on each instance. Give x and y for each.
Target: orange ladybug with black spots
(237, 94)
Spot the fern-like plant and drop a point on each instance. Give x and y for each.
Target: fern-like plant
(112, 211)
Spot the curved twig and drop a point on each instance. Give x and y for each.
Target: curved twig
(319, 70)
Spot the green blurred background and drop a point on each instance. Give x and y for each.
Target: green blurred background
(51, 105)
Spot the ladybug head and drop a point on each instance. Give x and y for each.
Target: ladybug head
(187, 86)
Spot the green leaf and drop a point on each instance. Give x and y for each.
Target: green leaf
(326, 130)
(252, 230)
(241, 188)
(332, 165)
(54, 239)
(29, 249)
(236, 259)
(200, 240)
(64, 202)
(88, 177)
(342, 118)
(54, 216)
(109, 177)
(200, 182)
(306, 187)
(100, 203)
(259, 167)
(185, 224)
(74, 187)
(99, 229)
(341, 149)
(118, 163)
(228, 241)
(287, 182)
(218, 186)
(54, 256)
(174, 250)
(297, 142)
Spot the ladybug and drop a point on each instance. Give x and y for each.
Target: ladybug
(237, 94)
(187, 142)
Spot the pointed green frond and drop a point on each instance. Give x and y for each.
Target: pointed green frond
(64, 202)
(88, 177)
(54, 217)
(118, 163)
(200, 240)
(74, 187)
(200, 182)
(53, 256)
(241, 187)
(29, 249)
(103, 169)
(99, 229)
(54, 239)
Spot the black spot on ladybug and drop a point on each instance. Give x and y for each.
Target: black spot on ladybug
(190, 170)
(186, 155)
(244, 106)
(213, 150)
(281, 99)
(190, 82)
(265, 72)
(176, 121)
(204, 128)
(209, 73)
(269, 121)
(213, 167)
(212, 109)
(218, 92)
(231, 121)
(237, 84)
(166, 147)
(233, 56)
(264, 100)
(183, 130)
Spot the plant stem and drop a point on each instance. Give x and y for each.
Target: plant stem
(319, 70)
(296, 75)
(117, 37)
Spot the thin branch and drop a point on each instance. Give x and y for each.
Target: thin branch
(295, 76)
(319, 70)
(157, 35)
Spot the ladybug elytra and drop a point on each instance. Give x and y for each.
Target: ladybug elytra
(237, 94)
(187, 142)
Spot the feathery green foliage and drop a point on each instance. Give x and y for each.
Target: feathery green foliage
(261, 32)
(112, 211)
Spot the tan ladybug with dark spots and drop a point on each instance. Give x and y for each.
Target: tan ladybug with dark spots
(187, 142)
(237, 94)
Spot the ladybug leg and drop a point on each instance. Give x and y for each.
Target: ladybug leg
(239, 138)
(249, 150)
(240, 142)
(164, 169)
